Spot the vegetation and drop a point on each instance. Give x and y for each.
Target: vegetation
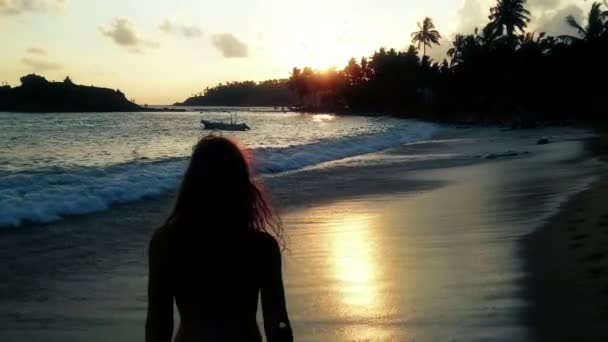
(597, 22)
(36, 94)
(248, 93)
(507, 16)
(500, 72)
(427, 35)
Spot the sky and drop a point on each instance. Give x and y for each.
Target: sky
(162, 51)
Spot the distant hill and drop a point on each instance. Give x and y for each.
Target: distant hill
(267, 94)
(36, 94)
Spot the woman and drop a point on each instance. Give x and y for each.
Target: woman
(214, 255)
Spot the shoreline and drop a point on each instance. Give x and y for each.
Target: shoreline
(369, 255)
(512, 121)
(566, 261)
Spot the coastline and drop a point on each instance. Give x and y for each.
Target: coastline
(507, 121)
(566, 261)
(381, 247)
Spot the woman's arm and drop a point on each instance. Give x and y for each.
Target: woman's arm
(276, 320)
(159, 323)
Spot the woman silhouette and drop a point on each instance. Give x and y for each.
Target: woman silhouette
(214, 255)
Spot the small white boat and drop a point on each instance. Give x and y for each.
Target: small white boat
(225, 126)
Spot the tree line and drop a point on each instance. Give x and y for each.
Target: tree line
(498, 72)
(37, 94)
(246, 93)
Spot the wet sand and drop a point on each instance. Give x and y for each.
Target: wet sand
(567, 265)
(422, 243)
(440, 265)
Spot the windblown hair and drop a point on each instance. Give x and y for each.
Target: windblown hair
(219, 194)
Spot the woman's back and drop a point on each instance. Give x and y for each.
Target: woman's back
(213, 256)
(216, 282)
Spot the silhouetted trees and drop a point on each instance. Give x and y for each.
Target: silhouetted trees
(427, 35)
(507, 16)
(247, 93)
(595, 27)
(455, 52)
(36, 94)
(500, 72)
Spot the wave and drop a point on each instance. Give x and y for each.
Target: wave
(43, 197)
(296, 157)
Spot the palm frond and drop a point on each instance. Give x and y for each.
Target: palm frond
(568, 38)
(574, 24)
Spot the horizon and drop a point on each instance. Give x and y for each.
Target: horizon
(172, 50)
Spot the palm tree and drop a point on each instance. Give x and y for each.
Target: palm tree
(597, 24)
(509, 15)
(455, 52)
(485, 36)
(427, 35)
(531, 44)
(296, 84)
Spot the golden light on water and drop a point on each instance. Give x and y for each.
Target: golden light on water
(323, 117)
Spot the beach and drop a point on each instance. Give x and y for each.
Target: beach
(438, 170)
(566, 262)
(435, 240)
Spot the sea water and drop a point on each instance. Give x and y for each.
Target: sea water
(55, 165)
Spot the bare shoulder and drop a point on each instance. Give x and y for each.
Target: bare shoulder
(267, 240)
(268, 244)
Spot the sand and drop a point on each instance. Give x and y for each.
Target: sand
(567, 263)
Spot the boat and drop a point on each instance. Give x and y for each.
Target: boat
(225, 126)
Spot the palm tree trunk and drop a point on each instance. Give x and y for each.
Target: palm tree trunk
(423, 50)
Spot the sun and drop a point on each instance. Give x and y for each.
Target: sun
(322, 55)
(323, 46)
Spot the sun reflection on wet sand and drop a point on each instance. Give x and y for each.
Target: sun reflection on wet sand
(342, 244)
(353, 262)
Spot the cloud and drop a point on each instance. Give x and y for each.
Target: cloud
(547, 15)
(36, 51)
(188, 31)
(38, 64)
(123, 34)
(167, 27)
(544, 4)
(438, 52)
(229, 45)
(554, 22)
(470, 16)
(550, 16)
(16, 7)
(191, 31)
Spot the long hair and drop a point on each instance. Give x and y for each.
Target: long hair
(219, 195)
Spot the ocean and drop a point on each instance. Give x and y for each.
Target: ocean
(57, 165)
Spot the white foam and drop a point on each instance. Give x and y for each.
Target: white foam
(43, 197)
(296, 157)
